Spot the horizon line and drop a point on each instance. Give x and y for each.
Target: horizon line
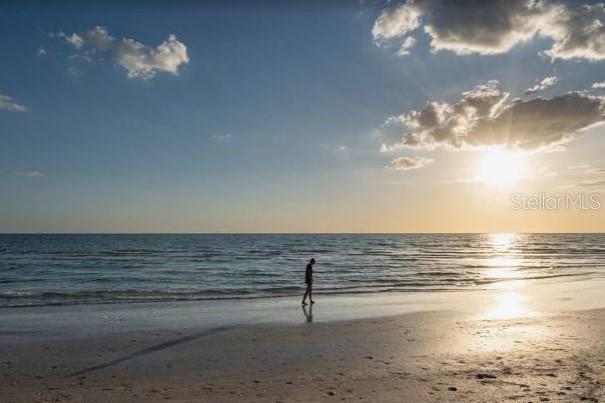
(302, 233)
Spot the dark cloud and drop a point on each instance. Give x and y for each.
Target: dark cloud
(495, 26)
(407, 163)
(485, 117)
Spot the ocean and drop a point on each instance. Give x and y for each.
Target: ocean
(87, 269)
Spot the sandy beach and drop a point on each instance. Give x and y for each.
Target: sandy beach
(460, 347)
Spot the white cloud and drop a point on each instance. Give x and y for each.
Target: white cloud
(8, 104)
(407, 163)
(74, 39)
(496, 26)
(545, 83)
(484, 117)
(221, 137)
(139, 60)
(397, 21)
(31, 174)
(98, 37)
(406, 46)
(143, 61)
(599, 85)
(387, 148)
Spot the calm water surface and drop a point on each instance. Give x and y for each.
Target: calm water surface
(69, 269)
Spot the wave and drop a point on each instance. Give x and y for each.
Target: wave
(18, 299)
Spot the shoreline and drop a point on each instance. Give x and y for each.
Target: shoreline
(483, 287)
(541, 294)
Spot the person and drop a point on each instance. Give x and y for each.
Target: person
(309, 282)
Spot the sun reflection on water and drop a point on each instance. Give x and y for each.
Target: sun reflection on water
(502, 263)
(502, 268)
(509, 301)
(502, 240)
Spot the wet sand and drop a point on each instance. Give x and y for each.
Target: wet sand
(443, 355)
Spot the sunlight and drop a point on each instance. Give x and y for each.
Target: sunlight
(501, 240)
(502, 268)
(503, 265)
(501, 167)
(508, 305)
(501, 273)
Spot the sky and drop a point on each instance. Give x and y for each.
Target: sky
(359, 116)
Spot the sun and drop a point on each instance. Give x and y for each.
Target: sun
(501, 167)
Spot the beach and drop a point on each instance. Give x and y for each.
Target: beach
(302, 201)
(537, 342)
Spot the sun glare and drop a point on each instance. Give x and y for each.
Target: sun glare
(501, 167)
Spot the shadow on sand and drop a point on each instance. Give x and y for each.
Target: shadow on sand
(156, 348)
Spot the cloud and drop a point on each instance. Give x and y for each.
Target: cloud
(406, 46)
(595, 176)
(222, 137)
(590, 170)
(593, 183)
(143, 61)
(599, 85)
(8, 104)
(496, 26)
(407, 163)
(387, 148)
(578, 32)
(139, 60)
(98, 37)
(397, 21)
(545, 83)
(31, 174)
(74, 40)
(484, 117)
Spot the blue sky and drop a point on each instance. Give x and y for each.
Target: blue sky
(274, 123)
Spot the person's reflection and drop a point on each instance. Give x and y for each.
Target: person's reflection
(308, 313)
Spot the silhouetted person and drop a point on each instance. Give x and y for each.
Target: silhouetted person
(309, 282)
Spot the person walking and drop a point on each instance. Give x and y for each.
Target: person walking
(309, 282)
